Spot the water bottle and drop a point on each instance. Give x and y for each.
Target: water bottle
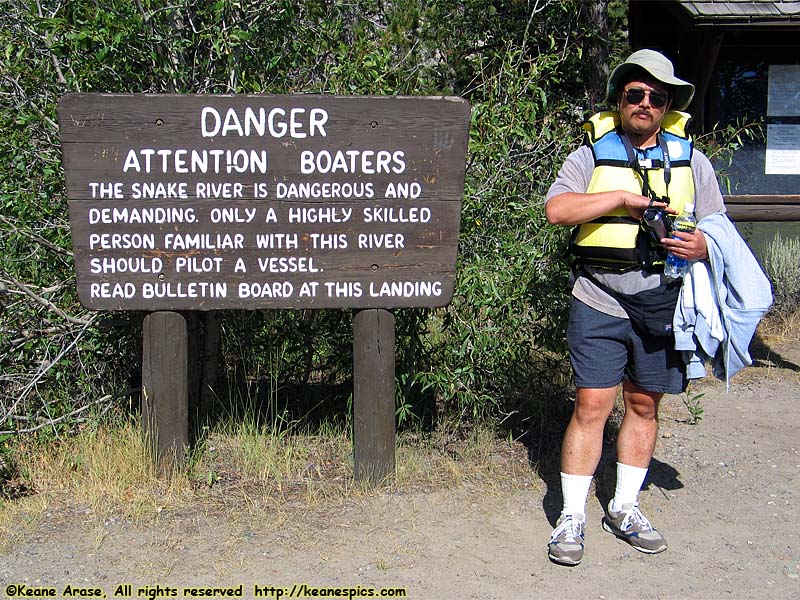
(678, 267)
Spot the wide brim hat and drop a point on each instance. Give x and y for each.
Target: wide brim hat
(660, 68)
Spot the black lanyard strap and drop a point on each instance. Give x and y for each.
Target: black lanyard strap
(634, 164)
(667, 164)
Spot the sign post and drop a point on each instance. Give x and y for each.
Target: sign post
(165, 395)
(200, 202)
(373, 395)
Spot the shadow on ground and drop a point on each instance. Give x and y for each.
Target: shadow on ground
(544, 457)
(765, 356)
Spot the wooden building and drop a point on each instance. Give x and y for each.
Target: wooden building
(744, 58)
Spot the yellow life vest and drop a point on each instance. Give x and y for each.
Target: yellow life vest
(616, 239)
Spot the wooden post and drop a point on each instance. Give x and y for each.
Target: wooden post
(165, 395)
(373, 395)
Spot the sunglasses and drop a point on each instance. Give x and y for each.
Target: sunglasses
(636, 95)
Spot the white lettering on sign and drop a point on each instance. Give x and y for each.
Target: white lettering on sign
(368, 162)
(268, 201)
(199, 161)
(143, 215)
(277, 241)
(108, 290)
(159, 190)
(274, 289)
(298, 123)
(328, 241)
(308, 289)
(381, 240)
(260, 189)
(219, 190)
(403, 190)
(344, 289)
(106, 190)
(122, 241)
(299, 214)
(194, 289)
(324, 190)
(290, 264)
(203, 241)
(381, 214)
(129, 264)
(405, 289)
(232, 215)
(194, 264)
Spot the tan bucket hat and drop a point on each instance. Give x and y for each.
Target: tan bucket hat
(659, 67)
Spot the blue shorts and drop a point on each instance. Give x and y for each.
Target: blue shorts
(606, 350)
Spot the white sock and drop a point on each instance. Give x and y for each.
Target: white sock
(575, 489)
(629, 482)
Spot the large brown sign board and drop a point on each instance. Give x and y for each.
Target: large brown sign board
(203, 202)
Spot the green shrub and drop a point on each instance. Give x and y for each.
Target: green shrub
(781, 263)
(523, 69)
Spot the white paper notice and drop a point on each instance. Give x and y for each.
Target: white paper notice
(783, 96)
(783, 150)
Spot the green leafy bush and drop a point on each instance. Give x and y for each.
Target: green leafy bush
(496, 351)
(781, 263)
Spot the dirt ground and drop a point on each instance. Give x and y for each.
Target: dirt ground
(724, 491)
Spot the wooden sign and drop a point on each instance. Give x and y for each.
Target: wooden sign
(197, 202)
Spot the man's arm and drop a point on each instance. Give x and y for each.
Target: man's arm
(567, 202)
(571, 208)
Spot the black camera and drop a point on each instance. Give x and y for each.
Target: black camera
(657, 222)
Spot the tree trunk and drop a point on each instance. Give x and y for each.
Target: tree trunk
(594, 13)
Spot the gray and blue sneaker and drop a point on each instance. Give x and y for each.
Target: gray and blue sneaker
(631, 525)
(566, 542)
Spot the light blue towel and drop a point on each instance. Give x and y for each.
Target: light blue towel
(743, 294)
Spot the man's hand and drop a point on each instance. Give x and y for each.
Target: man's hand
(691, 246)
(636, 204)
(571, 208)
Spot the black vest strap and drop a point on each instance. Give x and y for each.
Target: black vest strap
(634, 164)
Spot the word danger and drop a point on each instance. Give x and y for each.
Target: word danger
(298, 123)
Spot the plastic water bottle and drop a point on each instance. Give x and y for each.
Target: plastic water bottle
(678, 267)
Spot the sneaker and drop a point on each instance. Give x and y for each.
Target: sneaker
(566, 542)
(632, 526)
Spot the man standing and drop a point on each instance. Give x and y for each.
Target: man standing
(636, 156)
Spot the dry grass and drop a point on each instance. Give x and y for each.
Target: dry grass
(244, 472)
(780, 327)
(97, 472)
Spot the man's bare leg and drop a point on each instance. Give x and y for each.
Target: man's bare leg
(583, 441)
(580, 453)
(636, 440)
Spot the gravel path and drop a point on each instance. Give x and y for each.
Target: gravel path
(725, 492)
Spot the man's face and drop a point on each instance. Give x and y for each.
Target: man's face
(642, 106)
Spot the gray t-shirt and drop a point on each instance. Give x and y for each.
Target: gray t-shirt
(574, 176)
